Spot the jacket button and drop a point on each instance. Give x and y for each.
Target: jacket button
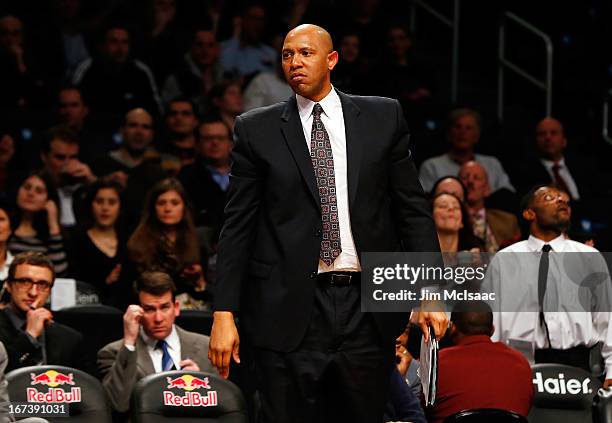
(313, 275)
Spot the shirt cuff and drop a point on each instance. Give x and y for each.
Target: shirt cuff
(130, 347)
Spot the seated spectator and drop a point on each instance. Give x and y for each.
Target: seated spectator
(449, 185)
(26, 327)
(207, 180)
(6, 258)
(267, 88)
(166, 241)
(453, 225)
(99, 247)
(479, 373)
(407, 365)
(199, 71)
(151, 342)
(37, 221)
(227, 99)
(74, 113)
(179, 144)
(135, 164)
(463, 135)
(114, 83)
(403, 404)
(495, 228)
(22, 81)
(70, 176)
(246, 54)
(351, 73)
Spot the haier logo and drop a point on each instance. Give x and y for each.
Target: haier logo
(561, 386)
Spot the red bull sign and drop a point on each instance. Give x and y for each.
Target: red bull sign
(191, 397)
(52, 380)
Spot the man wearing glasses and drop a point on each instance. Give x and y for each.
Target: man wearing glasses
(26, 326)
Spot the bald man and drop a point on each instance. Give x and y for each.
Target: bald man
(289, 252)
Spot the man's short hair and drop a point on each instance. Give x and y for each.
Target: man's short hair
(155, 283)
(59, 132)
(473, 318)
(33, 259)
(527, 200)
(183, 99)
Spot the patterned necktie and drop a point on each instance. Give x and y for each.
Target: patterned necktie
(542, 279)
(559, 181)
(167, 363)
(323, 164)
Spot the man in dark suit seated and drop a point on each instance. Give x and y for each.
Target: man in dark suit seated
(151, 342)
(26, 326)
(477, 372)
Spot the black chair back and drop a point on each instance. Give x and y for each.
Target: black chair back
(187, 397)
(562, 393)
(485, 415)
(80, 392)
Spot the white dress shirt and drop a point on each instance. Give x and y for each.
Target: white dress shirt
(567, 329)
(564, 173)
(333, 120)
(174, 349)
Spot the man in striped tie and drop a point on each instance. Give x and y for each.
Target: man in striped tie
(151, 343)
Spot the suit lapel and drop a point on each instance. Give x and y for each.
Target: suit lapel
(188, 349)
(291, 127)
(354, 143)
(145, 364)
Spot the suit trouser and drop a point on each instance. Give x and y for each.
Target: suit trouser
(340, 372)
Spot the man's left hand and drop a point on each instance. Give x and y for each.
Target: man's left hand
(189, 364)
(438, 320)
(607, 383)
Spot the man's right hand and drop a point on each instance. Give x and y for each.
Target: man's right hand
(131, 324)
(35, 321)
(224, 342)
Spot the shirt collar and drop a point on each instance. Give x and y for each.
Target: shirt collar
(330, 102)
(550, 163)
(534, 244)
(172, 339)
(474, 339)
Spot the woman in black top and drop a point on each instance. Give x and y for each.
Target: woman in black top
(99, 247)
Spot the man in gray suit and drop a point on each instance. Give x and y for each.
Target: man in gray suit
(151, 341)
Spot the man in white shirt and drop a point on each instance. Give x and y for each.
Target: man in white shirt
(537, 278)
(151, 342)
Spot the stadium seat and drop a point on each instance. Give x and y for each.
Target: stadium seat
(562, 393)
(99, 324)
(485, 415)
(187, 397)
(82, 392)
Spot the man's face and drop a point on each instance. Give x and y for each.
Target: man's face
(307, 63)
(159, 314)
(205, 49)
(11, 33)
(214, 142)
(116, 46)
(72, 110)
(253, 23)
(550, 139)
(231, 102)
(398, 42)
(181, 119)
(349, 48)
(39, 279)
(60, 154)
(137, 132)
(464, 133)
(474, 177)
(550, 209)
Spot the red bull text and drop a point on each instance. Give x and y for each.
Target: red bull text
(52, 379)
(191, 398)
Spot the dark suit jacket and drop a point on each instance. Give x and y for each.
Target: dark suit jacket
(63, 345)
(270, 241)
(121, 368)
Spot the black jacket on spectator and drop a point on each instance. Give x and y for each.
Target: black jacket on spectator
(207, 198)
(63, 345)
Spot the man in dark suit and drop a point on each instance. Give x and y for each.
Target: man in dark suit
(151, 342)
(26, 327)
(298, 216)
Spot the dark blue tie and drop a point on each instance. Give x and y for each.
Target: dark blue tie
(167, 363)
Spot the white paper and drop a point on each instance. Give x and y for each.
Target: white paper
(428, 370)
(63, 294)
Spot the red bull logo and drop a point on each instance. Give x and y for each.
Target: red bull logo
(190, 398)
(53, 379)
